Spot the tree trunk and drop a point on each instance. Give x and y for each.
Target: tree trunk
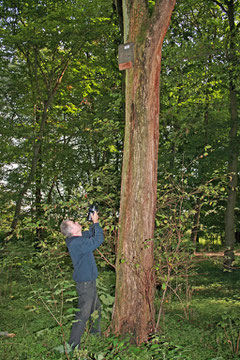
(196, 221)
(38, 142)
(36, 149)
(135, 283)
(38, 198)
(233, 142)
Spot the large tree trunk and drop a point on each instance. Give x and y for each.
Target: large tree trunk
(233, 142)
(135, 283)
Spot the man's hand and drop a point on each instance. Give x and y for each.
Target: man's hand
(95, 217)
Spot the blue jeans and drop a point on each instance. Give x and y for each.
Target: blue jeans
(88, 302)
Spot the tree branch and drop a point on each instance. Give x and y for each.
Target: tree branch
(104, 258)
(160, 20)
(221, 6)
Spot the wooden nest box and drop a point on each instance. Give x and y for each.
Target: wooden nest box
(126, 56)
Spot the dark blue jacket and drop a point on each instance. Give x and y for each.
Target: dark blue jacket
(81, 251)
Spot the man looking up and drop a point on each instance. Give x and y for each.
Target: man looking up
(81, 246)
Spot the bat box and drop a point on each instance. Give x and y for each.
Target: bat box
(126, 56)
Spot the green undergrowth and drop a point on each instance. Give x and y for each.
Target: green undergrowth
(38, 300)
(212, 329)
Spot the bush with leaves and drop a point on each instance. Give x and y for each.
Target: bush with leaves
(174, 250)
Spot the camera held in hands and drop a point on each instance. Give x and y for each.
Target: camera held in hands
(91, 211)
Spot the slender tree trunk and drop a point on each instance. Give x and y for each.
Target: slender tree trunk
(232, 186)
(196, 221)
(233, 142)
(38, 198)
(36, 149)
(49, 196)
(135, 283)
(37, 144)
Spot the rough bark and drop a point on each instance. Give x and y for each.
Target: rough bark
(233, 142)
(135, 283)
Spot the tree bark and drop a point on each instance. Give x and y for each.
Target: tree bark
(196, 221)
(135, 281)
(37, 144)
(36, 149)
(233, 142)
(38, 197)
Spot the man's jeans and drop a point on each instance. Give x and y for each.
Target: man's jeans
(88, 302)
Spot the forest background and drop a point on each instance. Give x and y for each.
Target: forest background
(62, 128)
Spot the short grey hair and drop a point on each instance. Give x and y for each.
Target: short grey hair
(66, 228)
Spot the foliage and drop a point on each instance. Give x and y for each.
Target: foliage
(61, 101)
(80, 162)
(174, 247)
(231, 336)
(83, 139)
(37, 300)
(195, 96)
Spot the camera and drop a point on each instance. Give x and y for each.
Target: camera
(91, 211)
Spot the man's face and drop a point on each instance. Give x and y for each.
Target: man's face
(76, 228)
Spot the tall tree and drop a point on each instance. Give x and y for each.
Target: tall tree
(195, 99)
(231, 7)
(134, 301)
(43, 38)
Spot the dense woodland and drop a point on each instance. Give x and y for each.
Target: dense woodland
(65, 131)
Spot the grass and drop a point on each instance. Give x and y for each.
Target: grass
(216, 300)
(30, 311)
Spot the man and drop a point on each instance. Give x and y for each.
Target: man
(81, 246)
